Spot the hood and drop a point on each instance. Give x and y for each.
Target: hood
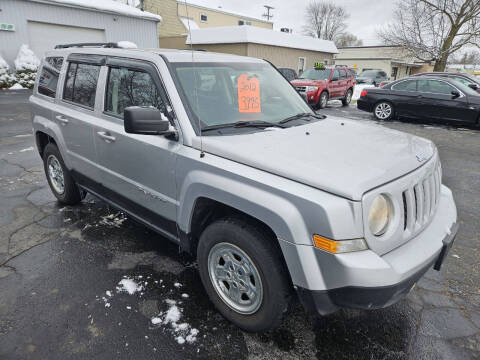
(339, 156)
(308, 82)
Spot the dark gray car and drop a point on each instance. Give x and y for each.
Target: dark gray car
(374, 77)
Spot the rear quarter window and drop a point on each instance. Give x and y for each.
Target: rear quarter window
(48, 76)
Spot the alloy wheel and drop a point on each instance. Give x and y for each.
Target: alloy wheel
(383, 111)
(235, 278)
(55, 173)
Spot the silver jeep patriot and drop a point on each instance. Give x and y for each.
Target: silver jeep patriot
(220, 154)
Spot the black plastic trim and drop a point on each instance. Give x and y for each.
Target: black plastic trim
(87, 59)
(157, 223)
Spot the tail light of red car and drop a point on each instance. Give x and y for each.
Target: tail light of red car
(363, 93)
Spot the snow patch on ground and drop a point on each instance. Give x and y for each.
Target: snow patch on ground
(27, 149)
(16, 86)
(129, 285)
(115, 220)
(358, 90)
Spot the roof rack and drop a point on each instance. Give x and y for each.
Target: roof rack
(80, 45)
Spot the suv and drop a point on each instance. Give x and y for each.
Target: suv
(373, 77)
(323, 84)
(224, 158)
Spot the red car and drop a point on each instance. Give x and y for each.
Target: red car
(323, 84)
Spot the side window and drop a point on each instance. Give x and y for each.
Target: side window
(81, 84)
(383, 74)
(407, 85)
(128, 87)
(47, 83)
(343, 74)
(336, 74)
(435, 87)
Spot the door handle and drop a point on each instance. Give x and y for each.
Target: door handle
(106, 136)
(62, 119)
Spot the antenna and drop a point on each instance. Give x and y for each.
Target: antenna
(267, 14)
(202, 154)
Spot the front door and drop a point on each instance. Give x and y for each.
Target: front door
(137, 170)
(438, 102)
(407, 98)
(335, 84)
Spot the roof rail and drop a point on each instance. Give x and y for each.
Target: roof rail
(80, 45)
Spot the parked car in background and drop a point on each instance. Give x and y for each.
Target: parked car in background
(436, 98)
(290, 74)
(383, 83)
(465, 79)
(269, 196)
(323, 84)
(373, 77)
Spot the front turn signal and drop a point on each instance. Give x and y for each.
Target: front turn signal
(340, 246)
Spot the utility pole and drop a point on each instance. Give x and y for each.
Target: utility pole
(267, 15)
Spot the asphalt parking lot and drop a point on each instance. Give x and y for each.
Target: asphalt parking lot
(65, 271)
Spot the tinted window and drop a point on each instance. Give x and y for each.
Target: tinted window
(81, 84)
(47, 83)
(435, 87)
(383, 74)
(463, 80)
(335, 74)
(288, 73)
(132, 88)
(56, 62)
(343, 74)
(407, 85)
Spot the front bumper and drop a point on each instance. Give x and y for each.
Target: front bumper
(356, 279)
(327, 301)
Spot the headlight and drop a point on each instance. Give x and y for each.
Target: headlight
(379, 215)
(311, 88)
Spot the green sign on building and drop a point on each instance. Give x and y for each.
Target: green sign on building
(7, 27)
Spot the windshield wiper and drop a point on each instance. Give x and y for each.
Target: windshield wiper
(302, 116)
(242, 124)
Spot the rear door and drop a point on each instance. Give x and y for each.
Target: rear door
(438, 103)
(137, 170)
(406, 98)
(75, 114)
(343, 82)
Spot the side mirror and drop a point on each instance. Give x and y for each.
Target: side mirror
(473, 86)
(147, 121)
(455, 94)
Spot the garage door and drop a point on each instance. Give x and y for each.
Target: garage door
(44, 36)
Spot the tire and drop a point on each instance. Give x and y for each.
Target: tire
(385, 114)
(233, 239)
(69, 193)
(348, 98)
(322, 100)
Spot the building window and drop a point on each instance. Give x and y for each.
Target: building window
(302, 62)
(203, 17)
(325, 61)
(244, 22)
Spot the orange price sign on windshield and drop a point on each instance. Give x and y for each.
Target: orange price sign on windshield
(248, 94)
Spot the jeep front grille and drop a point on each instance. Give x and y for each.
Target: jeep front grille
(420, 200)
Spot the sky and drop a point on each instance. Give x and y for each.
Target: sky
(366, 16)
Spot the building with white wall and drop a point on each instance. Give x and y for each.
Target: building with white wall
(42, 24)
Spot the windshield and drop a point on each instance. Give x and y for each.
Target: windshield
(368, 74)
(316, 74)
(227, 93)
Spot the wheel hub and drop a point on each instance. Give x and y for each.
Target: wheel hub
(55, 173)
(235, 278)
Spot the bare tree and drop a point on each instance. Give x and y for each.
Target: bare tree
(467, 58)
(325, 20)
(347, 39)
(433, 30)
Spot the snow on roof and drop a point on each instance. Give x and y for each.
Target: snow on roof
(109, 5)
(193, 24)
(257, 35)
(222, 6)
